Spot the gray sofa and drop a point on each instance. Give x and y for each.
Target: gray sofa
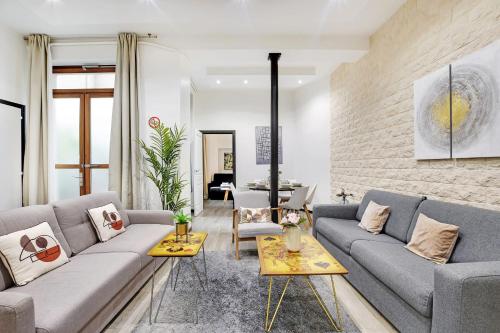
(414, 294)
(86, 293)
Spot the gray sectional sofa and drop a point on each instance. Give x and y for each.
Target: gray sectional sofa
(414, 294)
(86, 293)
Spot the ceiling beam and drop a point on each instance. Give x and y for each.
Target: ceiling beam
(276, 42)
(255, 70)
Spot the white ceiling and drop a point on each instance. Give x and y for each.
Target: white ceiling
(226, 40)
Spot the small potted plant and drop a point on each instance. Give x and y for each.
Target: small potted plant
(181, 225)
(291, 226)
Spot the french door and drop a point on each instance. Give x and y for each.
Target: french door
(82, 134)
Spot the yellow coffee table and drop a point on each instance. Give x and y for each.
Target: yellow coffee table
(170, 249)
(275, 260)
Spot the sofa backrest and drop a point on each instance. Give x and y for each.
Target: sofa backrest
(402, 209)
(479, 233)
(220, 178)
(23, 218)
(75, 222)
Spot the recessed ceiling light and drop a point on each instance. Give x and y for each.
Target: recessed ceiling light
(218, 81)
(300, 81)
(245, 81)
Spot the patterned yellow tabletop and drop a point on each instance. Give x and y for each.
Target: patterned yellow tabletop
(168, 247)
(313, 259)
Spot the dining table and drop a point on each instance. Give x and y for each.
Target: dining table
(268, 188)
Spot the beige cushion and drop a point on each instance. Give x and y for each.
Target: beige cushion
(31, 252)
(255, 215)
(433, 240)
(374, 217)
(107, 221)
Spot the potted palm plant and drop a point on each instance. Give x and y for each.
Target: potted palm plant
(162, 164)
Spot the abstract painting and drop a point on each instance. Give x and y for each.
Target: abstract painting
(457, 108)
(263, 145)
(228, 161)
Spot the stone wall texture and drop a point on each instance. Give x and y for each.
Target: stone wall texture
(372, 105)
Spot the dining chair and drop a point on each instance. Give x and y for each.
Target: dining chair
(309, 199)
(248, 231)
(297, 200)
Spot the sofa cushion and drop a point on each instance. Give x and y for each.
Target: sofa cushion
(67, 298)
(255, 215)
(73, 218)
(31, 252)
(433, 240)
(343, 233)
(107, 221)
(255, 229)
(403, 208)
(139, 239)
(406, 274)
(374, 217)
(23, 218)
(478, 233)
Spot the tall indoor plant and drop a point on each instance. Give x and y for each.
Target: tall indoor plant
(162, 164)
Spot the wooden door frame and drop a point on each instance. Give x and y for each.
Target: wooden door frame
(85, 166)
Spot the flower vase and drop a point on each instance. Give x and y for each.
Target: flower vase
(293, 239)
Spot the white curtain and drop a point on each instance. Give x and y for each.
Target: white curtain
(124, 157)
(36, 167)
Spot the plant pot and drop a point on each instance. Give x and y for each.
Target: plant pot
(181, 229)
(293, 239)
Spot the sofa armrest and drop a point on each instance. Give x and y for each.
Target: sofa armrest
(150, 217)
(347, 212)
(17, 313)
(466, 297)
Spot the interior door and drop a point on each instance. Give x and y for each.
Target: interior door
(198, 174)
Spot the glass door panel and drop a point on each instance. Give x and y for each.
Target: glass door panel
(67, 183)
(99, 181)
(67, 130)
(100, 129)
(67, 145)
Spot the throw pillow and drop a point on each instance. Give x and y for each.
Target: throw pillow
(255, 215)
(374, 217)
(107, 221)
(433, 240)
(29, 253)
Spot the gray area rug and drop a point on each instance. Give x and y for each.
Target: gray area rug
(236, 300)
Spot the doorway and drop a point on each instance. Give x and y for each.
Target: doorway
(215, 168)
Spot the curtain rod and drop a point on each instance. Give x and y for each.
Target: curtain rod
(95, 38)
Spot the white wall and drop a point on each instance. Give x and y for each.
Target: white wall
(312, 112)
(242, 110)
(13, 55)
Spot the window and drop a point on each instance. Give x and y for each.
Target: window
(83, 104)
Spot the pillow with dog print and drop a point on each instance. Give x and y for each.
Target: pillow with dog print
(107, 221)
(31, 252)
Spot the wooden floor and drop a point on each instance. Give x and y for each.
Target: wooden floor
(216, 220)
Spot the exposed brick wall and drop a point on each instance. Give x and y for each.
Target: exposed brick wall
(372, 105)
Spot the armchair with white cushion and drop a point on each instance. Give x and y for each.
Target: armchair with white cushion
(248, 231)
